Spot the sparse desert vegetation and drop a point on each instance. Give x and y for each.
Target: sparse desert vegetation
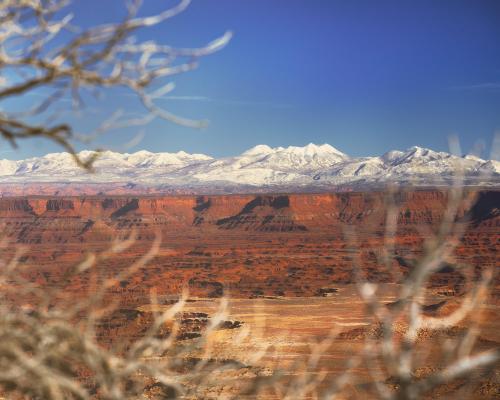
(281, 308)
(279, 273)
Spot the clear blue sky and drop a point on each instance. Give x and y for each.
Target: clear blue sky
(365, 76)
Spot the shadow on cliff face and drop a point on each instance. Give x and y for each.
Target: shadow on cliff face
(13, 205)
(277, 203)
(130, 206)
(486, 208)
(263, 214)
(59, 204)
(202, 206)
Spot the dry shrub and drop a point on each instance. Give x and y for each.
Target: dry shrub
(43, 54)
(49, 350)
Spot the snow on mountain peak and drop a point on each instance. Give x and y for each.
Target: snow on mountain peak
(392, 155)
(313, 149)
(261, 165)
(309, 150)
(414, 154)
(259, 149)
(314, 155)
(328, 148)
(145, 158)
(142, 153)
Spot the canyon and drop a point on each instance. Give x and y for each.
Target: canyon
(251, 245)
(288, 262)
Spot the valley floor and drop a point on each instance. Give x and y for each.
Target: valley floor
(289, 265)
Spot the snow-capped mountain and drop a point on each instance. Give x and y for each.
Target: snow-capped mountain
(311, 166)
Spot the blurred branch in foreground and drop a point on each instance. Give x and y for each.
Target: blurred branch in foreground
(49, 342)
(49, 346)
(41, 49)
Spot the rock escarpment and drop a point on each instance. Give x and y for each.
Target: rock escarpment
(254, 245)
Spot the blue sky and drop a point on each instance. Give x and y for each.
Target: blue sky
(365, 76)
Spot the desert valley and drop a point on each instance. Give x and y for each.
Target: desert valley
(288, 263)
(242, 200)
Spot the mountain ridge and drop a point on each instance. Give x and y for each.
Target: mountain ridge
(310, 166)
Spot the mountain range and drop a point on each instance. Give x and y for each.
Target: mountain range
(312, 167)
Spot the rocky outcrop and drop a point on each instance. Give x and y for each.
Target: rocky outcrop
(253, 245)
(264, 214)
(59, 204)
(486, 209)
(132, 205)
(16, 206)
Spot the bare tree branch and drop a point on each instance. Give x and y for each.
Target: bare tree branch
(90, 60)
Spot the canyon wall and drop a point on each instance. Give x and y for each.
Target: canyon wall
(299, 254)
(252, 245)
